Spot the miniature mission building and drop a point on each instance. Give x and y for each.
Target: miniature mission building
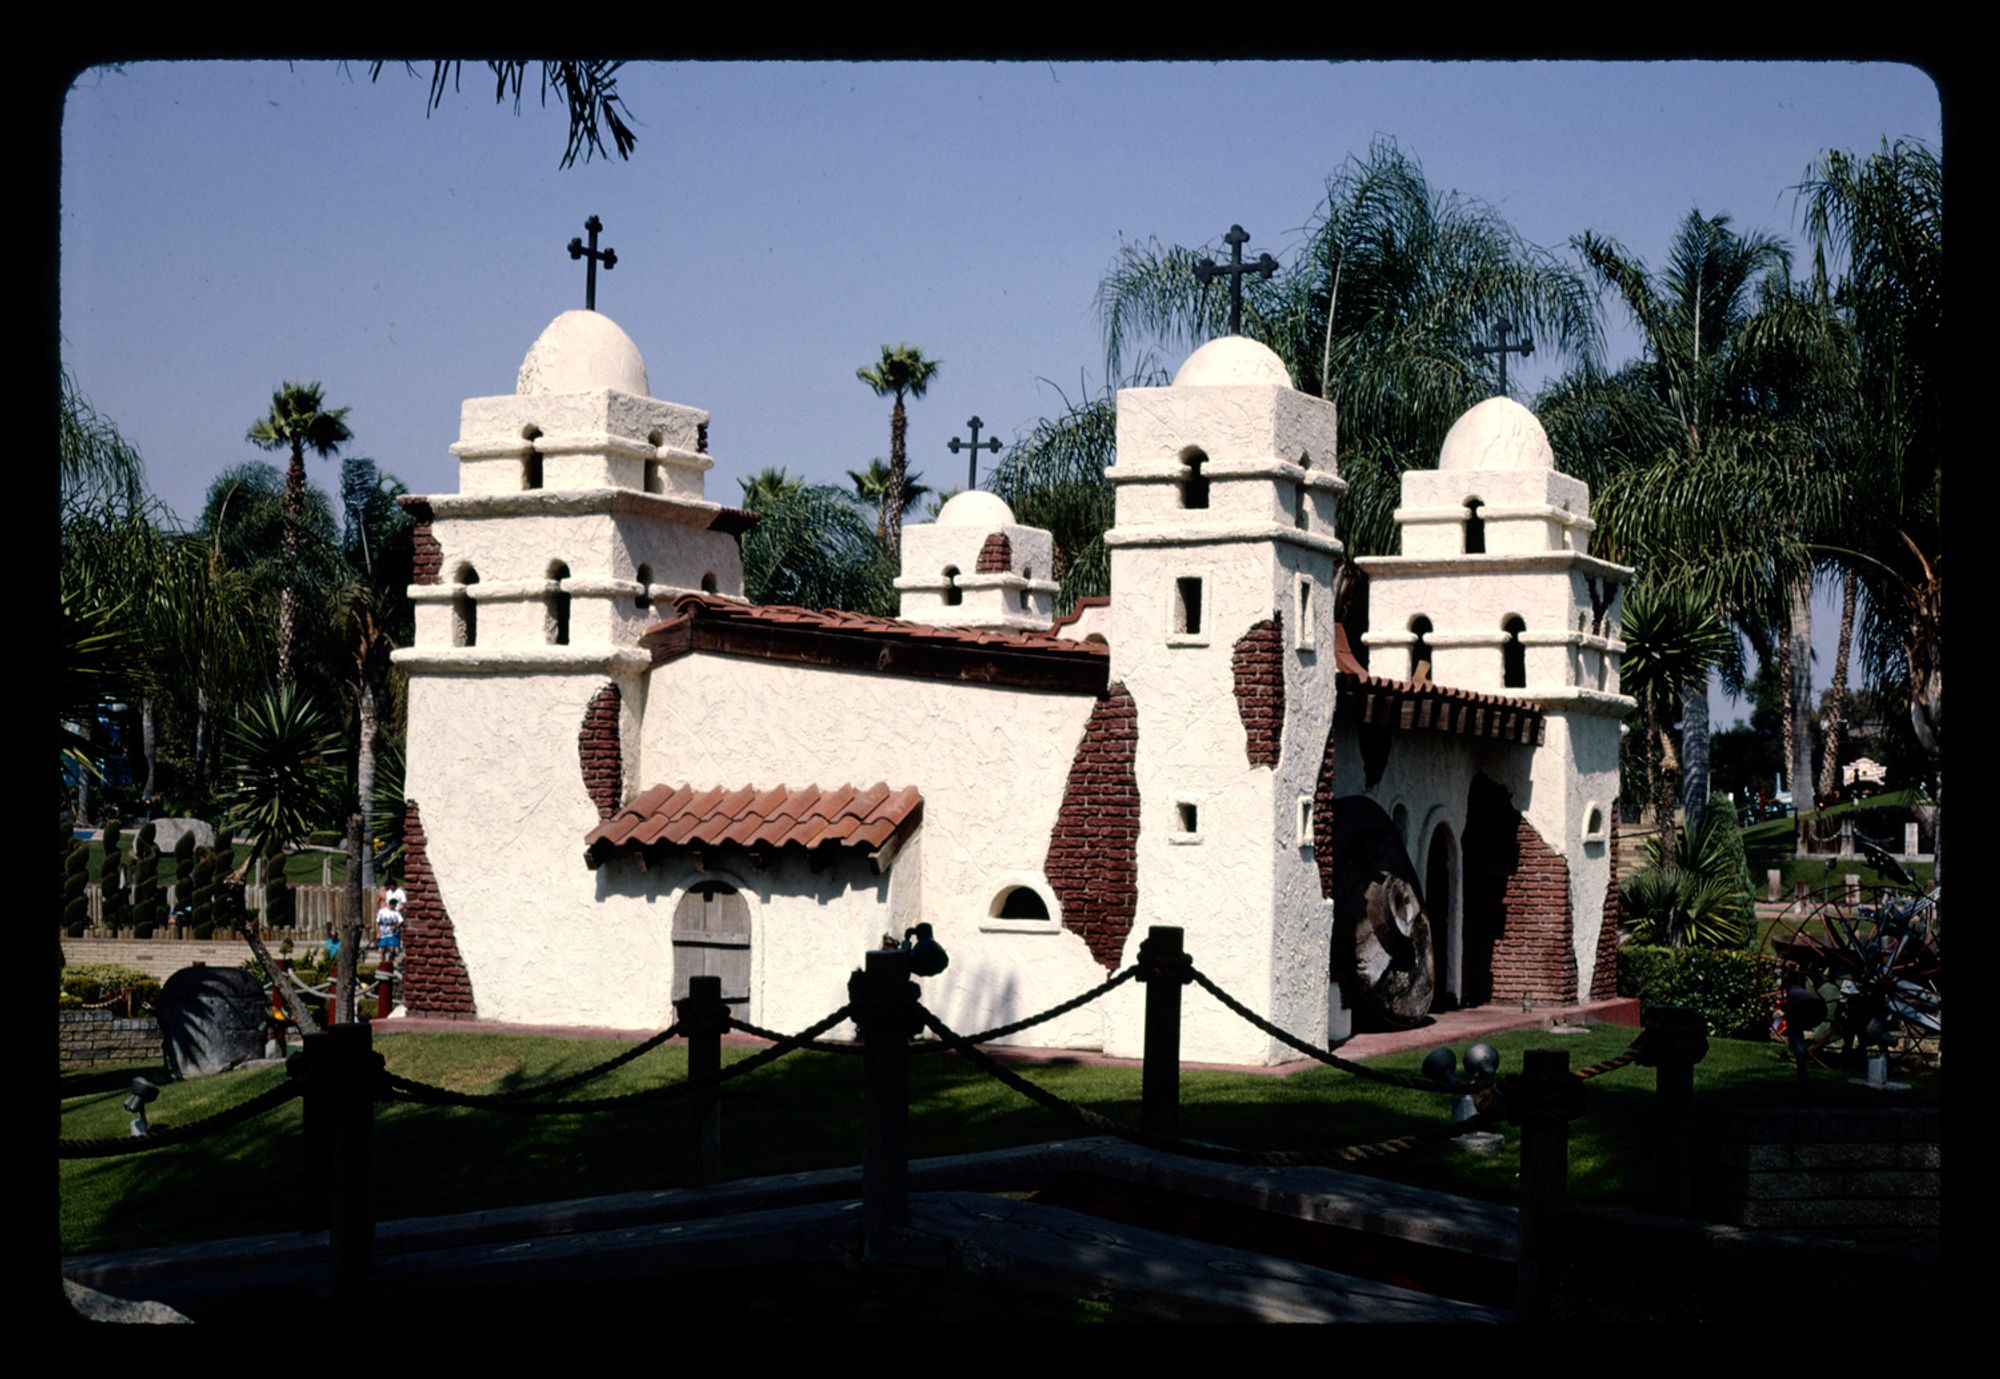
(1358, 806)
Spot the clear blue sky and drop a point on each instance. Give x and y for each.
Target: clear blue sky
(226, 226)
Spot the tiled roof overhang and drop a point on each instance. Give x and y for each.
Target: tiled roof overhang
(867, 821)
(886, 646)
(1425, 706)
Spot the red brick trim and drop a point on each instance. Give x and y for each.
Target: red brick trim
(435, 982)
(1093, 858)
(1534, 953)
(1323, 814)
(1259, 664)
(427, 567)
(601, 751)
(1604, 981)
(996, 557)
(1078, 609)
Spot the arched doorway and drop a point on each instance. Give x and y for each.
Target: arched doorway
(712, 939)
(1441, 904)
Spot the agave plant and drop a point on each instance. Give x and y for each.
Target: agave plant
(285, 768)
(1697, 896)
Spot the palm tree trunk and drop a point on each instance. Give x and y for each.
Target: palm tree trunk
(1663, 797)
(364, 772)
(1694, 751)
(898, 428)
(1836, 709)
(200, 734)
(295, 511)
(150, 741)
(1785, 708)
(86, 793)
(1800, 679)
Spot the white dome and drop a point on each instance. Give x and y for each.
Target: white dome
(581, 352)
(976, 508)
(1497, 434)
(1233, 361)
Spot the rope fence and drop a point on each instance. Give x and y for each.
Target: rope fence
(166, 1135)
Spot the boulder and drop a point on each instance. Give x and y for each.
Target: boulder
(212, 1019)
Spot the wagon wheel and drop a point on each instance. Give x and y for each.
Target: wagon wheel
(1880, 977)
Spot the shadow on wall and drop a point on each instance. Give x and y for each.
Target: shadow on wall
(1491, 850)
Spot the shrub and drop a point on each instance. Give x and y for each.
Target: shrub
(184, 866)
(76, 905)
(277, 894)
(116, 906)
(1731, 987)
(1704, 899)
(90, 982)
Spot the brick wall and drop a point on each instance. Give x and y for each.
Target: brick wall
(996, 557)
(1532, 953)
(1604, 981)
(98, 1039)
(602, 754)
(1323, 814)
(1849, 1171)
(428, 566)
(1259, 665)
(435, 982)
(1093, 858)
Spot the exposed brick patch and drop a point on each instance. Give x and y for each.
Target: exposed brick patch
(1093, 859)
(427, 566)
(996, 557)
(1323, 814)
(435, 982)
(1518, 929)
(601, 751)
(1259, 663)
(1604, 981)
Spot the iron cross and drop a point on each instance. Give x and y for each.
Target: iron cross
(972, 464)
(1208, 269)
(1503, 349)
(608, 256)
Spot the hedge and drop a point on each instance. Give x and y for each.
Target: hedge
(1731, 987)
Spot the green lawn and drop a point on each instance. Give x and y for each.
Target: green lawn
(1770, 844)
(801, 1113)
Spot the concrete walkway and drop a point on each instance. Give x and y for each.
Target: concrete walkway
(1457, 1027)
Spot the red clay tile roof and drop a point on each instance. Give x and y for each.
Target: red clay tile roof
(866, 625)
(860, 818)
(1401, 703)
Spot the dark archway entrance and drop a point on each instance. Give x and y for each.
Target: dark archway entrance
(1447, 923)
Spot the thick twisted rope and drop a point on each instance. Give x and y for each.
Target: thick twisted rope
(182, 1134)
(983, 1037)
(563, 1084)
(1406, 1080)
(406, 1089)
(1609, 1065)
(1197, 1149)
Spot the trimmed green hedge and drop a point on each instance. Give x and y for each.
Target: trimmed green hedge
(1729, 986)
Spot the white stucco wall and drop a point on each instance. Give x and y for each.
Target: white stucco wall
(991, 764)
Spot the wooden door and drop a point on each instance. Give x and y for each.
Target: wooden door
(712, 939)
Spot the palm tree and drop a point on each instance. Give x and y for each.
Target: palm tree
(1672, 636)
(298, 420)
(813, 549)
(1716, 412)
(1377, 312)
(901, 370)
(285, 771)
(871, 486)
(1053, 478)
(767, 486)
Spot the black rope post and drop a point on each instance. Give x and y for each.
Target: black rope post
(1541, 1099)
(342, 1072)
(885, 1004)
(703, 1018)
(1675, 1039)
(1165, 969)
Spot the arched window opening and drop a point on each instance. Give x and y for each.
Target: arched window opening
(1020, 902)
(708, 585)
(1301, 508)
(645, 595)
(531, 463)
(1420, 649)
(556, 624)
(1475, 528)
(464, 612)
(655, 481)
(1027, 572)
(1194, 486)
(1513, 655)
(953, 595)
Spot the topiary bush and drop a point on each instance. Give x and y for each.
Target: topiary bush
(114, 906)
(184, 877)
(278, 910)
(202, 891)
(1733, 988)
(76, 880)
(149, 909)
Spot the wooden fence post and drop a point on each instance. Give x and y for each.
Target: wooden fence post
(341, 1069)
(703, 1017)
(1544, 1096)
(1675, 1040)
(1163, 968)
(884, 998)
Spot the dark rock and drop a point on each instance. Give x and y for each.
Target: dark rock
(212, 1019)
